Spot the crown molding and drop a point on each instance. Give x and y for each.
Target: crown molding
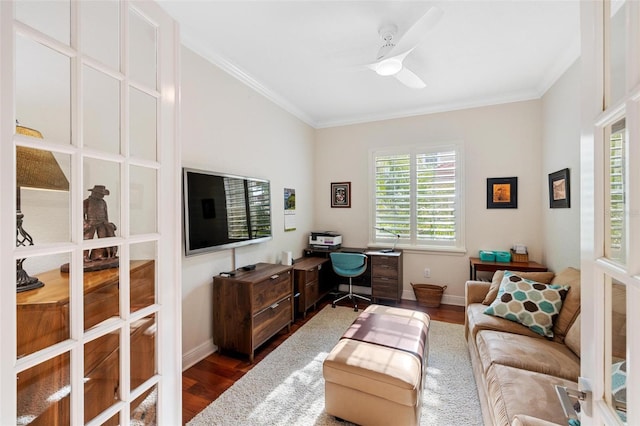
(560, 65)
(433, 109)
(192, 42)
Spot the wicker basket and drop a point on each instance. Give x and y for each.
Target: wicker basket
(428, 295)
(517, 257)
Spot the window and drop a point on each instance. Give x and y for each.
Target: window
(417, 197)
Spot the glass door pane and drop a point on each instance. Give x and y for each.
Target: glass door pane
(617, 357)
(616, 55)
(43, 90)
(43, 393)
(615, 193)
(100, 31)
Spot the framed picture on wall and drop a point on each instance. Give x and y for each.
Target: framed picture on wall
(559, 190)
(340, 194)
(502, 193)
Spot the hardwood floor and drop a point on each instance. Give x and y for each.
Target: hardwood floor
(209, 378)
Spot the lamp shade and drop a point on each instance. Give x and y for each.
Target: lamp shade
(37, 168)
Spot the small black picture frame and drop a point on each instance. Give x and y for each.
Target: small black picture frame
(560, 190)
(502, 193)
(341, 194)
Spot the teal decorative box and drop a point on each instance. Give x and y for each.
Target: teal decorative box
(503, 256)
(487, 256)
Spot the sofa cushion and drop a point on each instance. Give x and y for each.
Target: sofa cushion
(477, 320)
(541, 355)
(515, 392)
(533, 304)
(541, 277)
(572, 339)
(571, 305)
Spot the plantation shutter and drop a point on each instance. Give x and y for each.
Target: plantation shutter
(435, 196)
(416, 197)
(616, 189)
(393, 195)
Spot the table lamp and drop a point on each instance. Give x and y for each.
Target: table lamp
(38, 169)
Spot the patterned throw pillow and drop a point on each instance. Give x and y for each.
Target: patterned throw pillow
(619, 385)
(530, 303)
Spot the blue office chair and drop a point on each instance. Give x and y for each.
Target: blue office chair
(349, 265)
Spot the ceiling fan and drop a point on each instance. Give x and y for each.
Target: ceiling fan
(391, 55)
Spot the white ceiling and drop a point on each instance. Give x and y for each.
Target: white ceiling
(309, 56)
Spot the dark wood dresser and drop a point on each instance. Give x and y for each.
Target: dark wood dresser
(251, 307)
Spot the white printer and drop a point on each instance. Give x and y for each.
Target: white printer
(325, 240)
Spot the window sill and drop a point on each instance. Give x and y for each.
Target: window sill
(448, 251)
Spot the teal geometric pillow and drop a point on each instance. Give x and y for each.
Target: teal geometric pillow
(532, 304)
(619, 385)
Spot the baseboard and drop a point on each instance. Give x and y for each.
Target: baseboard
(197, 354)
(446, 299)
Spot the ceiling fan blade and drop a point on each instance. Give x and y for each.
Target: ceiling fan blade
(414, 35)
(410, 79)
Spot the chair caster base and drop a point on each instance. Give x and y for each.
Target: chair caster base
(355, 308)
(333, 305)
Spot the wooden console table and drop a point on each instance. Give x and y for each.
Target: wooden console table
(475, 265)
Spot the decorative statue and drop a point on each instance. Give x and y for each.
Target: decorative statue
(96, 222)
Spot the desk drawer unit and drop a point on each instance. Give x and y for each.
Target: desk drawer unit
(307, 282)
(386, 277)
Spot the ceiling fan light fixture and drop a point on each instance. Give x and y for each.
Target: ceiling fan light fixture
(389, 67)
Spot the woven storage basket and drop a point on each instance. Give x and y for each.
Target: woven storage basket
(428, 295)
(517, 257)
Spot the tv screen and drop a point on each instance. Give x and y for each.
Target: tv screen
(224, 211)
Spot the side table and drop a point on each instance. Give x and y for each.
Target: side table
(475, 265)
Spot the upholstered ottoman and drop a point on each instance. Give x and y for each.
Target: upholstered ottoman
(375, 374)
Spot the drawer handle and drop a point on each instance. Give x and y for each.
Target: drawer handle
(275, 305)
(273, 277)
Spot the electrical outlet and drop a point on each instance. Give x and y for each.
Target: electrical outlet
(427, 272)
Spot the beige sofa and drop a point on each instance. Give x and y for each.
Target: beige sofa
(516, 369)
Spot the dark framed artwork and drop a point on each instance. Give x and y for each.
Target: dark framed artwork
(502, 193)
(340, 194)
(559, 190)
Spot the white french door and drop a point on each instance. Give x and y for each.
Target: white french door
(610, 211)
(90, 301)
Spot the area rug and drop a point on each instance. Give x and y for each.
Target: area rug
(287, 387)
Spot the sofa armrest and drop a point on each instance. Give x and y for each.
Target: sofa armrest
(475, 291)
(524, 420)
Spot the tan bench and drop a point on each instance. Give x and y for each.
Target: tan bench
(375, 374)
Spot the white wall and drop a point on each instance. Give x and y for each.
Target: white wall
(561, 149)
(499, 141)
(228, 127)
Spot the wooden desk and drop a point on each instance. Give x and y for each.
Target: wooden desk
(383, 274)
(475, 265)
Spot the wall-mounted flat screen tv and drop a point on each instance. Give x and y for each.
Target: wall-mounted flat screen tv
(223, 211)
